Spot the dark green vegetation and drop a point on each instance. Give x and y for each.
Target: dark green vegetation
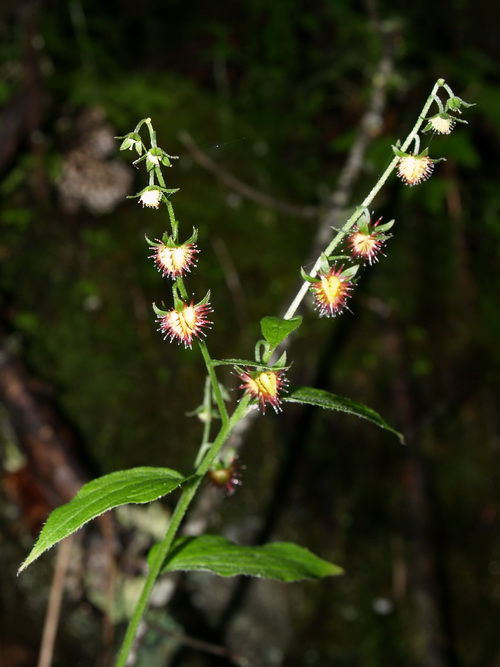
(273, 92)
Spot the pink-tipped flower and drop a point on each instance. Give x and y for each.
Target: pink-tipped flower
(413, 169)
(173, 260)
(226, 474)
(265, 386)
(366, 241)
(331, 291)
(184, 323)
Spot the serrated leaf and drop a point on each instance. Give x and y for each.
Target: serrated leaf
(138, 485)
(325, 399)
(276, 329)
(281, 561)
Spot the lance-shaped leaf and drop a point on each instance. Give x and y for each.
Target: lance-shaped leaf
(276, 329)
(324, 399)
(281, 561)
(237, 362)
(138, 485)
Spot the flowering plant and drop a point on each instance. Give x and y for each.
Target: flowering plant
(263, 380)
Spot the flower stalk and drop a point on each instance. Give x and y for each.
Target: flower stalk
(338, 238)
(263, 383)
(160, 550)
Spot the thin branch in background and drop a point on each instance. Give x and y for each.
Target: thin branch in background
(369, 127)
(232, 279)
(55, 600)
(200, 645)
(242, 188)
(428, 579)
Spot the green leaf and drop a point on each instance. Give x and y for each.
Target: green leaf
(237, 362)
(138, 485)
(350, 272)
(324, 399)
(385, 227)
(281, 561)
(276, 329)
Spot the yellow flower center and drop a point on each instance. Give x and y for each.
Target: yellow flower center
(265, 384)
(183, 324)
(221, 476)
(165, 257)
(363, 243)
(179, 257)
(331, 286)
(174, 261)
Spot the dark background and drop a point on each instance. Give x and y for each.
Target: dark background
(273, 92)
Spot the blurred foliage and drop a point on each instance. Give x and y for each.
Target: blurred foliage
(273, 92)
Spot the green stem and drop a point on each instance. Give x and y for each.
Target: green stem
(228, 423)
(161, 181)
(173, 221)
(215, 383)
(437, 100)
(207, 421)
(181, 288)
(152, 133)
(365, 204)
(416, 145)
(163, 547)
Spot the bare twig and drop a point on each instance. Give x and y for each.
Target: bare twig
(369, 127)
(427, 571)
(242, 188)
(55, 600)
(198, 644)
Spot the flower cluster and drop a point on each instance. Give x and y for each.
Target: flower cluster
(332, 286)
(414, 167)
(173, 258)
(333, 278)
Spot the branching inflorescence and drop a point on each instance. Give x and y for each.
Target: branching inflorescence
(331, 281)
(333, 278)
(264, 382)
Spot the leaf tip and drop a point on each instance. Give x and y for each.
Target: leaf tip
(21, 568)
